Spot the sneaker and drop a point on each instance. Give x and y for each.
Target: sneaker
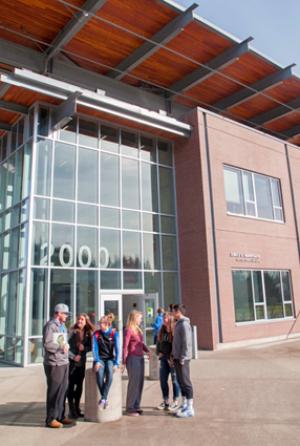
(180, 409)
(106, 405)
(187, 413)
(101, 404)
(54, 424)
(162, 406)
(174, 406)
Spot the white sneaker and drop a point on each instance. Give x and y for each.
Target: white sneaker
(101, 404)
(174, 406)
(187, 413)
(106, 405)
(180, 409)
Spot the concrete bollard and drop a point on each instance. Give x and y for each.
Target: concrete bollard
(153, 364)
(92, 396)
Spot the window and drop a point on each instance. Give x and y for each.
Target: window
(262, 295)
(252, 194)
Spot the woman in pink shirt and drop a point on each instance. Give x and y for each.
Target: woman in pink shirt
(133, 359)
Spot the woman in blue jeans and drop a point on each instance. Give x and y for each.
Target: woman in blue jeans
(106, 358)
(164, 350)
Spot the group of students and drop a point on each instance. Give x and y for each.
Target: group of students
(65, 362)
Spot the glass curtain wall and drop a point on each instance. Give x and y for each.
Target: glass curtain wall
(103, 219)
(15, 171)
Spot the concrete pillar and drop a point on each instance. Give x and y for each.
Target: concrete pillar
(195, 342)
(153, 364)
(92, 396)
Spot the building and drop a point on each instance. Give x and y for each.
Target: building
(146, 158)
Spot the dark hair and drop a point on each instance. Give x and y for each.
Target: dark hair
(160, 310)
(89, 327)
(180, 307)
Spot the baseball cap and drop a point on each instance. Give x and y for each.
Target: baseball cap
(61, 308)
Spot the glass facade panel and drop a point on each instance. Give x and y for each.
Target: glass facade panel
(258, 287)
(109, 178)
(110, 252)
(243, 296)
(169, 251)
(167, 204)
(148, 149)
(110, 217)
(88, 175)
(88, 133)
(62, 245)
(149, 187)
(64, 171)
(131, 250)
(152, 282)
(109, 139)
(131, 220)
(87, 214)
(68, 132)
(132, 280)
(151, 251)
(171, 289)
(87, 256)
(129, 143)
(287, 295)
(150, 222)
(164, 153)
(40, 243)
(110, 280)
(86, 293)
(130, 184)
(168, 225)
(61, 287)
(37, 303)
(63, 211)
(41, 208)
(43, 167)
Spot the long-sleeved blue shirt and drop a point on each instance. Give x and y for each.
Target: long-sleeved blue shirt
(116, 346)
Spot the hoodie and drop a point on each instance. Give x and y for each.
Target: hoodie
(182, 341)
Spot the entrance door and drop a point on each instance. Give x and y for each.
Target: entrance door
(150, 307)
(112, 303)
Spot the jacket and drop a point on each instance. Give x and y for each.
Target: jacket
(182, 341)
(157, 324)
(106, 346)
(74, 339)
(53, 349)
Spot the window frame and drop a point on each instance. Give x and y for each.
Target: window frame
(241, 172)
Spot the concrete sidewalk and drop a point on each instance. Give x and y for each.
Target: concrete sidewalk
(248, 396)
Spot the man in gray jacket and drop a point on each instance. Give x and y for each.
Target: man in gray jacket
(56, 366)
(182, 354)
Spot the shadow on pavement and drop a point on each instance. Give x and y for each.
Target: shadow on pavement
(22, 414)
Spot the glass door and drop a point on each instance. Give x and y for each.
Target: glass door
(111, 304)
(150, 308)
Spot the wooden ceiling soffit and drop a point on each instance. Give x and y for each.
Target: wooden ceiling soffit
(204, 72)
(163, 36)
(290, 133)
(98, 101)
(89, 8)
(14, 107)
(275, 113)
(260, 86)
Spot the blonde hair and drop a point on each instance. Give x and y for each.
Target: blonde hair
(131, 321)
(104, 319)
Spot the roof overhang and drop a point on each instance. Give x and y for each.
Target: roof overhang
(73, 95)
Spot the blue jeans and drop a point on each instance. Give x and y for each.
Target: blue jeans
(164, 372)
(104, 377)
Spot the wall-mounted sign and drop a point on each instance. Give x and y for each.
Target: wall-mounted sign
(245, 257)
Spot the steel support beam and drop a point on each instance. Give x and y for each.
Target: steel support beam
(64, 112)
(290, 133)
(163, 36)
(204, 72)
(13, 107)
(254, 89)
(276, 113)
(97, 101)
(5, 126)
(90, 7)
(20, 56)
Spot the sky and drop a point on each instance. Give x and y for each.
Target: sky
(274, 24)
